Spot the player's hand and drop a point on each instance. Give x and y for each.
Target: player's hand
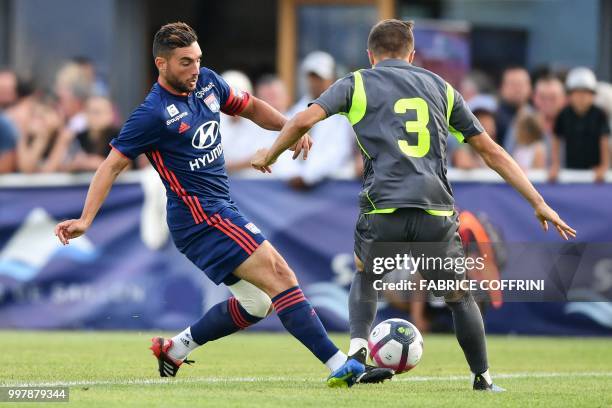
(303, 145)
(544, 214)
(260, 161)
(70, 229)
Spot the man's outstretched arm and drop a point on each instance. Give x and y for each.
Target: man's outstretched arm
(499, 160)
(265, 116)
(99, 188)
(291, 133)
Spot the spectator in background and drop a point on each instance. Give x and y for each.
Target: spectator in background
(21, 111)
(514, 92)
(93, 142)
(529, 149)
(239, 135)
(272, 90)
(475, 83)
(332, 150)
(8, 142)
(603, 99)
(99, 86)
(548, 100)
(9, 131)
(461, 154)
(73, 86)
(8, 88)
(582, 127)
(43, 147)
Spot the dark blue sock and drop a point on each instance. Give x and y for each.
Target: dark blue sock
(221, 320)
(301, 320)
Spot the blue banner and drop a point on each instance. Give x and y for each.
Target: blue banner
(125, 273)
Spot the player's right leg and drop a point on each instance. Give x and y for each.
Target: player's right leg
(363, 298)
(267, 270)
(247, 306)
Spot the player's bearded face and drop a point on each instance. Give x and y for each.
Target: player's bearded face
(183, 68)
(180, 81)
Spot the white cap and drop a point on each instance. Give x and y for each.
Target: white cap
(483, 102)
(238, 80)
(321, 64)
(581, 78)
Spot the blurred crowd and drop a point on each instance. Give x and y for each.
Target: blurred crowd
(63, 129)
(546, 120)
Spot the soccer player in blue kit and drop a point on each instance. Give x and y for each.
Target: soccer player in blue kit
(177, 128)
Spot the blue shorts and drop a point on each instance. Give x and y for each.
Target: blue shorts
(219, 245)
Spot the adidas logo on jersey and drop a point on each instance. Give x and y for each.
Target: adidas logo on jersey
(184, 127)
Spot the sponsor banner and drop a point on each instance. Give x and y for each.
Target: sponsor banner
(125, 273)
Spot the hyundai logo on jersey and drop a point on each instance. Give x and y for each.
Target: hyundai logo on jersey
(206, 135)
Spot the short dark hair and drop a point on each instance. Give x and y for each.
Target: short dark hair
(391, 38)
(171, 36)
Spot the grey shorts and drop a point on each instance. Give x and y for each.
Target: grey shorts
(424, 235)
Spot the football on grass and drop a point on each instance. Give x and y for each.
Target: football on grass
(396, 344)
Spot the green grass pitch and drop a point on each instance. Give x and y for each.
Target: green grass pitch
(109, 369)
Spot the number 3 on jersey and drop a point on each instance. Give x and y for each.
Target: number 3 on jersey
(418, 126)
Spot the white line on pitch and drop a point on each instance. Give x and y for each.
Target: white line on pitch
(211, 380)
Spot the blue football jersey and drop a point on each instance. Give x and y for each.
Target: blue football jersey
(180, 136)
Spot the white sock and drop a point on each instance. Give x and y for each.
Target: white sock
(336, 361)
(356, 345)
(183, 344)
(484, 375)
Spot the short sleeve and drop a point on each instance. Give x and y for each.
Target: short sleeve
(232, 100)
(337, 98)
(461, 121)
(139, 134)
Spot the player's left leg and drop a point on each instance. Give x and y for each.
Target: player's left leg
(267, 270)
(470, 333)
(439, 239)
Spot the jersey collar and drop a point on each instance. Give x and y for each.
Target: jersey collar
(392, 62)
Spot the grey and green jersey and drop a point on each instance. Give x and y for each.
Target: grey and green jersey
(402, 116)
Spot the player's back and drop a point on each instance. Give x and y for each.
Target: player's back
(403, 131)
(402, 116)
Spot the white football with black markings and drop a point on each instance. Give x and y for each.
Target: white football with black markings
(396, 344)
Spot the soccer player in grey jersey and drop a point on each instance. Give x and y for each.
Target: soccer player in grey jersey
(402, 116)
